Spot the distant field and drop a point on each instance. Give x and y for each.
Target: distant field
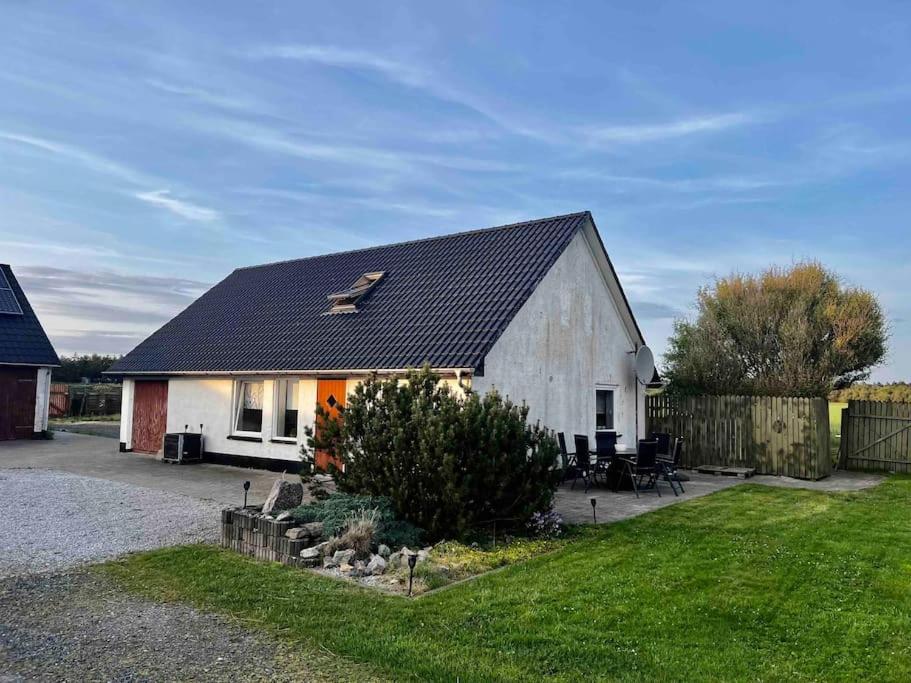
(835, 425)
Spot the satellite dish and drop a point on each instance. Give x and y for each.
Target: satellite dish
(645, 365)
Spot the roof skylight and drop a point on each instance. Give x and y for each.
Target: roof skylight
(346, 301)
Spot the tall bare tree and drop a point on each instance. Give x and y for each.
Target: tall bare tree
(797, 331)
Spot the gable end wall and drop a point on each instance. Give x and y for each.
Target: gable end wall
(567, 340)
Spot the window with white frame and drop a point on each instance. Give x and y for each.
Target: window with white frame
(285, 409)
(248, 409)
(604, 408)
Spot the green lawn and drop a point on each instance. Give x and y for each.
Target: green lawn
(749, 583)
(835, 409)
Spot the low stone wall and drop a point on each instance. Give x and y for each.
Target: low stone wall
(263, 539)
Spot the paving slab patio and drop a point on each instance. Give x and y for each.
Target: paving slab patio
(574, 505)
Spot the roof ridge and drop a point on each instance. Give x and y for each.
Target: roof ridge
(462, 233)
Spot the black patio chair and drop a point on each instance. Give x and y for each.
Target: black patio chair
(643, 466)
(664, 443)
(606, 451)
(567, 461)
(583, 466)
(670, 463)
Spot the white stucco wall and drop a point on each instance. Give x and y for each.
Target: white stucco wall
(566, 341)
(210, 401)
(126, 413)
(42, 398)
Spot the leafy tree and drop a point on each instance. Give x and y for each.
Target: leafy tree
(74, 368)
(447, 463)
(785, 332)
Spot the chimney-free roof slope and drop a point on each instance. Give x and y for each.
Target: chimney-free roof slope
(22, 339)
(442, 301)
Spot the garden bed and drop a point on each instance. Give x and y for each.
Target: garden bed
(324, 546)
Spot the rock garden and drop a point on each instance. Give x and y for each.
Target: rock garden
(431, 487)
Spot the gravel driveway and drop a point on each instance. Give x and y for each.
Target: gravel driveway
(50, 520)
(79, 627)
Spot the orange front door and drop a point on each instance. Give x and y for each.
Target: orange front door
(150, 415)
(330, 394)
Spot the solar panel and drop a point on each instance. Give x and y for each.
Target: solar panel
(8, 302)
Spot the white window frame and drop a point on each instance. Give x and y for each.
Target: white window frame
(276, 408)
(237, 407)
(612, 388)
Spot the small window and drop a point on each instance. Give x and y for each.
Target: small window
(604, 409)
(346, 301)
(286, 409)
(249, 410)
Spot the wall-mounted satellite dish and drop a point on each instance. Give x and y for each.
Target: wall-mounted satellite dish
(645, 365)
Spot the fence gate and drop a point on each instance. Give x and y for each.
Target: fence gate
(876, 435)
(59, 404)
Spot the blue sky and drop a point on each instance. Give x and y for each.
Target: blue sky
(147, 150)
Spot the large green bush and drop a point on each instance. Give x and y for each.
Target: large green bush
(447, 463)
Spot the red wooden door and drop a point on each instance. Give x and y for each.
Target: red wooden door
(150, 415)
(330, 394)
(17, 403)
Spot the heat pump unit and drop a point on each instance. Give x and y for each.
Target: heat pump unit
(183, 448)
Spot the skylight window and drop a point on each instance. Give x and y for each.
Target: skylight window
(8, 302)
(346, 301)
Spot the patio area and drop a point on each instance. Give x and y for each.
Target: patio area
(574, 505)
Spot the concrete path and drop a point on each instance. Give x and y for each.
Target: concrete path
(110, 430)
(574, 505)
(94, 456)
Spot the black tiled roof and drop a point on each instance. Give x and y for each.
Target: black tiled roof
(22, 339)
(443, 301)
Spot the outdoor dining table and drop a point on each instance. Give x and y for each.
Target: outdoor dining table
(611, 471)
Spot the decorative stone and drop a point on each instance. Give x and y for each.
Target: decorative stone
(310, 557)
(345, 568)
(384, 551)
(297, 532)
(360, 569)
(343, 557)
(321, 547)
(282, 516)
(423, 555)
(313, 529)
(376, 566)
(283, 496)
(329, 562)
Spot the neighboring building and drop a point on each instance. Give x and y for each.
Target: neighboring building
(533, 309)
(26, 359)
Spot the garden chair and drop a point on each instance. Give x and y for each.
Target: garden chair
(583, 465)
(664, 444)
(670, 463)
(606, 450)
(643, 466)
(567, 461)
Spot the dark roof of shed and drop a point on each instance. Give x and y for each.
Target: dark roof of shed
(442, 301)
(22, 339)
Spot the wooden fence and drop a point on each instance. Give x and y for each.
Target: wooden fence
(876, 436)
(774, 435)
(76, 400)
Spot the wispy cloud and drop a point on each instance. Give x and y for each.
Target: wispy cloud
(202, 95)
(89, 160)
(272, 139)
(651, 132)
(102, 165)
(345, 58)
(179, 207)
(402, 73)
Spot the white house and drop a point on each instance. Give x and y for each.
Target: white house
(532, 309)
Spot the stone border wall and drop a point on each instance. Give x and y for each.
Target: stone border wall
(249, 534)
